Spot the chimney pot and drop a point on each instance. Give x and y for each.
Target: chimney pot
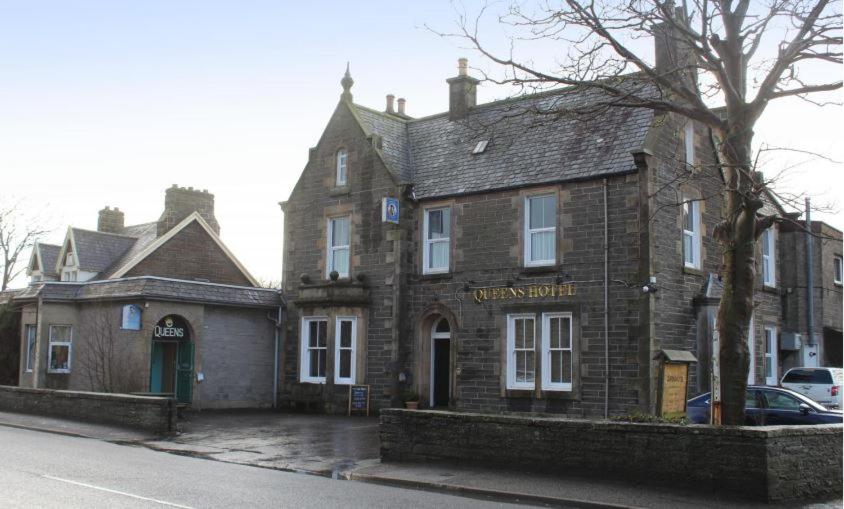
(390, 98)
(402, 102)
(462, 67)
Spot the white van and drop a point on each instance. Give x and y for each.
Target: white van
(820, 384)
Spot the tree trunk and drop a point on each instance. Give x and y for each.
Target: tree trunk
(737, 236)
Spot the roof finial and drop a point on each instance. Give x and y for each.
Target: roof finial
(347, 83)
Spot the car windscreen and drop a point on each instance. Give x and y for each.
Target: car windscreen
(808, 376)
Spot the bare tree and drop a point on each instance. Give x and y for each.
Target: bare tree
(18, 233)
(108, 363)
(736, 54)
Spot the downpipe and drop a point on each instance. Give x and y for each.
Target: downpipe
(606, 309)
(277, 321)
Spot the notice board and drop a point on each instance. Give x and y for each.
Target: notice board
(359, 399)
(674, 383)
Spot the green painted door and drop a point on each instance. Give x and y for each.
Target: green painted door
(184, 372)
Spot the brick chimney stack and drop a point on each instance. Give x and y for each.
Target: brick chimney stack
(180, 202)
(390, 99)
(462, 91)
(402, 102)
(110, 220)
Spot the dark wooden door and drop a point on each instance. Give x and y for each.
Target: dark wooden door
(442, 372)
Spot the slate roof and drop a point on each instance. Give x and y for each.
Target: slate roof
(151, 287)
(97, 251)
(145, 233)
(527, 145)
(49, 254)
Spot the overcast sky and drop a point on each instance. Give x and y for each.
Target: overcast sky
(111, 102)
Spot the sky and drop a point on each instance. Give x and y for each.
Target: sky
(111, 102)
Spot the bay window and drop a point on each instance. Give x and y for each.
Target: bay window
(338, 246)
(437, 240)
(313, 349)
(540, 230)
(59, 353)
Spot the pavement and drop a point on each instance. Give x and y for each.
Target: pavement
(348, 448)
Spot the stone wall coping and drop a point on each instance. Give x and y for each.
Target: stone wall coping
(128, 398)
(761, 432)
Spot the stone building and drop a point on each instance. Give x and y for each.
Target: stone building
(824, 346)
(492, 258)
(161, 307)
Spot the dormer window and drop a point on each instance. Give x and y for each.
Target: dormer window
(342, 168)
(69, 260)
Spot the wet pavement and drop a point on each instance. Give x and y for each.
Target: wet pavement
(320, 444)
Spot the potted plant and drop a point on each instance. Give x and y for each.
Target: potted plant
(411, 399)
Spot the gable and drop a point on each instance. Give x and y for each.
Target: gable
(190, 252)
(345, 129)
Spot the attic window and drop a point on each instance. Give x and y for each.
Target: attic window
(480, 147)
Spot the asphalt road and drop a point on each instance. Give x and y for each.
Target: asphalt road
(49, 470)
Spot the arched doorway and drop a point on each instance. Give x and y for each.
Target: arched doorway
(440, 363)
(171, 360)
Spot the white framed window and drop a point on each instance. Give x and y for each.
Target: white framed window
(769, 273)
(30, 332)
(557, 352)
(771, 348)
(837, 269)
(540, 230)
(313, 349)
(521, 351)
(342, 176)
(345, 347)
(68, 260)
(338, 246)
(691, 234)
(437, 240)
(689, 142)
(61, 344)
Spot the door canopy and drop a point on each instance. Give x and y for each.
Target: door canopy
(172, 327)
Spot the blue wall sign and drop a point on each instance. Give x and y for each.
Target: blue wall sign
(131, 317)
(390, 210)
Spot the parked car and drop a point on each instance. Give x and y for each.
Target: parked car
(820, 384)
(769, 406)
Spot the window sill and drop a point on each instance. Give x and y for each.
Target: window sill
(769, 289)
(540, 269)
(519, 393)
(692, 270)
(313, 382)
(339, 190)
(560, 394)
(56, 372)
(434, 276)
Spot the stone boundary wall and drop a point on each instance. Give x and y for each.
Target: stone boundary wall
(769, 463)
(150, 413)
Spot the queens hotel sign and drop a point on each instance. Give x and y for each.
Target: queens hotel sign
(523, 292)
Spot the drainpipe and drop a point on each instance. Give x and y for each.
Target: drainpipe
(277, 322)
(810, 277)
(606, 310)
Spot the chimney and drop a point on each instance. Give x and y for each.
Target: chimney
(462, 92)
(672, 52)
(390, 98)
(110, 221)
(180, 202)
(402, 102)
